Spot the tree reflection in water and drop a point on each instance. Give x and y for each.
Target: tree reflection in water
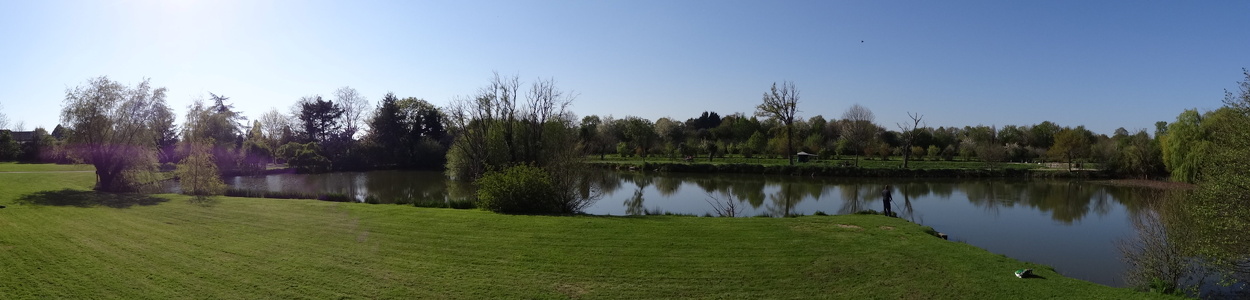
(1166, 252)
(1058, 211)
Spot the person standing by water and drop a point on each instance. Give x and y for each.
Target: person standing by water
(887, 197)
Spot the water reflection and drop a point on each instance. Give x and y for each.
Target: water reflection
(1067, 202)
(1069, 225)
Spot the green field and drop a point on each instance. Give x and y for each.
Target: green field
(54, 243)
(16, 167)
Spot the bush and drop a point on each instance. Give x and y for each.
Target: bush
(520, 189)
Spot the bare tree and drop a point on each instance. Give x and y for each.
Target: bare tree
(1155, 258)
(909, 135)
(858, 127)
(354, 107)
(276, 127)
(724, 208)
(494, 130)
(782, 105)
(4, 120)
(19, 126)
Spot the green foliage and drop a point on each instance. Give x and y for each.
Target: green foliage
(1070, 143)
(934, 153)
(623, 150)
(40, 148)
(916, 152)
(1136, 155)
(1221, 204)
(320, 119)
(199, 176)
(781, 105)
(948, 154)
(966, 151)
(256, 155)
(520, 189)
(842, 147)
(407, 134)
(1184, 146)
(642, 133)
(757, 143)
(305, 158)
(115, 127)
(9, 150)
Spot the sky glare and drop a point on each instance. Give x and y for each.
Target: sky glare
(1101, 64)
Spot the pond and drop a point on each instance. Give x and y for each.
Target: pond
(1070, 225)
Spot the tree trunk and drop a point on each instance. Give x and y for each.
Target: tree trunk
(906, 154)
(790, 142)
(105, 180)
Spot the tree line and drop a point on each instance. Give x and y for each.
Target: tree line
(344, 131)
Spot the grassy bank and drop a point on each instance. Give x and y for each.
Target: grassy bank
(54, 243)
(18, 167)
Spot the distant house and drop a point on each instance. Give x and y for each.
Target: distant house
(806, 157)
(21, 136)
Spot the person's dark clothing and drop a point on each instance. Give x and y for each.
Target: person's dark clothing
(886, 198)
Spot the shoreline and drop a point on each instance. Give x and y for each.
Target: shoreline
(840, 171)
(1146, 183)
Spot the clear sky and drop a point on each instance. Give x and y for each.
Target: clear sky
(1102, 64)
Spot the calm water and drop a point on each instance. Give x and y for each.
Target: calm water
(1069, 225)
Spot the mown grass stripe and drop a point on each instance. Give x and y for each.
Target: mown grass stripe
(292, 249)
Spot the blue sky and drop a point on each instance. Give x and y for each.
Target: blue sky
(1102, 64)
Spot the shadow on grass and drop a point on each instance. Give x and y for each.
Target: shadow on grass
(80, 198)
(204, 201)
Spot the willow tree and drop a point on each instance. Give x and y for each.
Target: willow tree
(115, 129)
(1185, 146)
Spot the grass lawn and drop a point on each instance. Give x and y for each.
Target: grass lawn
(16, 167)
(230, 248)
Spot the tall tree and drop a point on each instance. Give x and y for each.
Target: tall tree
(166, 134)
(781, 104)
(1185, 145)
(409, 132)
(388, 128)
(493, 130)
(276, 127)
(1070, 143)
(858, 128)
(197, 172)
(320, 119)
(910, 134)
(216, 123)
(642, 132)
(114, 129)
(588, 133)
(354, 107)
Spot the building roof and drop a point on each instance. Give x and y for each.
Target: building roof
(21, 136)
